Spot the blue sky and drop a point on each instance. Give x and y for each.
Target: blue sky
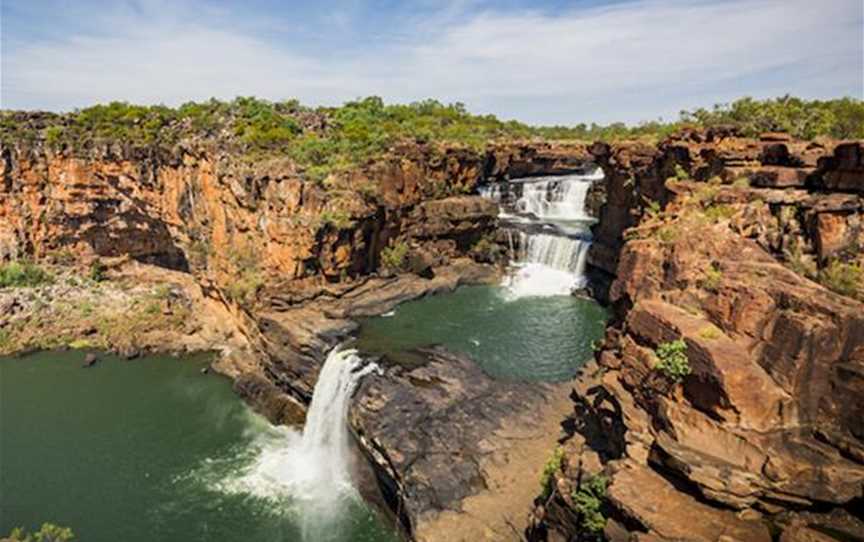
(540, 61)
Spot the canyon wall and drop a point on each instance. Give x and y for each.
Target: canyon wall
(745, 257)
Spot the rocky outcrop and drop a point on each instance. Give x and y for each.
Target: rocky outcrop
(636, 174)
(507, 161)
(443, 436)
(760, 432)
(438, 430)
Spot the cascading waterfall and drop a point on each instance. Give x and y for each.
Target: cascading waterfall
(552, 252)
(311, 470)
(556, 198)
(548, 265)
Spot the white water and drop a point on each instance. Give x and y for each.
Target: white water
(557, 198)
(310, 470)
(549, 264)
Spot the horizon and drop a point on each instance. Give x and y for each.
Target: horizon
(645, 60)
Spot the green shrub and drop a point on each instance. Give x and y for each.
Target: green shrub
(199, 253)
(666, 233)
(330, 139)
(710, 332)
(53, 135)
(713, 277)
(672, 359)
(97, 271)
(248, 278)
(395, 256)
(798, 262)
(718, 212)
(261, 126)
(553, 465)
(48, 533)
(707, 193)
(588, 502)
(841, 118)
(484, 249)
(844, 278)
(81, 344)
(244, 289)
(652, 207)
(338, 219)
(22, 275)
(681, 173)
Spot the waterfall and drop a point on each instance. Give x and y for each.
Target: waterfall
(548, 265)
(310, 470)
(556, 198)
(549, 214)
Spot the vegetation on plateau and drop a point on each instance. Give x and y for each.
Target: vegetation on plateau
(47, 533)
(326, 139)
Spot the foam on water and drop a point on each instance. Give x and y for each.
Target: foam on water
(307, 471)
(557, 198)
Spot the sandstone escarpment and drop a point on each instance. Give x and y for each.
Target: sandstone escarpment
(753, 264)
(636, 174)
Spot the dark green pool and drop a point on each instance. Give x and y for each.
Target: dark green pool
(147, 450)
(529, 338)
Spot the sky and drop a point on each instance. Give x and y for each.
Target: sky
(538, 61)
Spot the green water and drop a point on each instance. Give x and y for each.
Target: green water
(531, 338)
(147, 450)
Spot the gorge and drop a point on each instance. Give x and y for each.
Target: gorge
(740, 247)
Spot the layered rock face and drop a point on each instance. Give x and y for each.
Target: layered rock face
(752, 267)
(636, 174)
(201, 211)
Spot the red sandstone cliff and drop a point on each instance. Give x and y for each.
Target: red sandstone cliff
(763, 437)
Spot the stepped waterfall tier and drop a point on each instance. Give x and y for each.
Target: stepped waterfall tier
(552, 225)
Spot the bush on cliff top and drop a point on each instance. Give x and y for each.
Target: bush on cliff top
(327, 139)
(840, 118)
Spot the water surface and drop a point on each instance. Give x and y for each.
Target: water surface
(143, 451)
(524, 338)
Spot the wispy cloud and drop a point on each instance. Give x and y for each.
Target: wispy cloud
(630, 61)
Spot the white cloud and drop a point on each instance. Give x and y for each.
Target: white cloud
(630, 61)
